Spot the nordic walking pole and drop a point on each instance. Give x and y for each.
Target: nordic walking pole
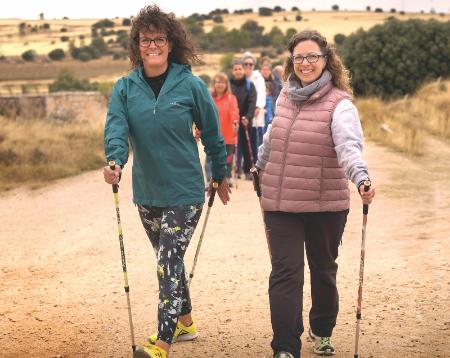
(257, 188)
(115, 188)
(236, 167)
(215, 185)
(361, 269)
(249, 144)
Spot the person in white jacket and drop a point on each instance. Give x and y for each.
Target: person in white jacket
(258, 80)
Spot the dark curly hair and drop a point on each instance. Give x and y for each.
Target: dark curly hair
(151, 17)
(340, 75)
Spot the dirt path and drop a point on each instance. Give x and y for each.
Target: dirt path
(61, 283)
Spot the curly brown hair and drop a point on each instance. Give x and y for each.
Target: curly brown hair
(151, 18)
(340, 75)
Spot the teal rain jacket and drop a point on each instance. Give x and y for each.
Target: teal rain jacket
(166, 165)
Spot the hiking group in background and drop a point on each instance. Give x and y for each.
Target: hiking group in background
(246, 106)
(304, 138)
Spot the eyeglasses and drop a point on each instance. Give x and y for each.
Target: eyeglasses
(159, 42)
(311, 58)
(249, 64)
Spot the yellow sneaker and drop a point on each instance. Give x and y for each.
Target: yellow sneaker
(182, 333)
(150, 352)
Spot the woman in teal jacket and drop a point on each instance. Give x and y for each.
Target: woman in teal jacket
(155, 107)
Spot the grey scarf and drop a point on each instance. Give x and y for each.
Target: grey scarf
(298, 94)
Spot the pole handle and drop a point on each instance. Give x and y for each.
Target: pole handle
(214, 187)
(112, 166)
(367, 185)
(256, 184)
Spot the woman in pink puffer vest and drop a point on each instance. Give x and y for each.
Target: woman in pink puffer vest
(312, 147)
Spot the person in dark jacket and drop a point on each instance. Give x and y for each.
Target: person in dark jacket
(155, 107)
(245, 92)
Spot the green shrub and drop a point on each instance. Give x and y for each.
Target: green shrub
(395, 58)
(64, 38)
(218, 19)
(339, 39)
(57, 54)
(225, 60)
(103, 24)
(67, 82)
(265, 11)
(29, 55)
(84, 56)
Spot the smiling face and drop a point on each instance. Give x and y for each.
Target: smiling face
(154, 49)
(305, 71)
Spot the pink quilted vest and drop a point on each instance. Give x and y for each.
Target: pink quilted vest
(302, 173)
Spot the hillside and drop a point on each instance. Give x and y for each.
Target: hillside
(329, 23)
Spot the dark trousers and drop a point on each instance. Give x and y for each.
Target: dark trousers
(289, 234)
(246, 147)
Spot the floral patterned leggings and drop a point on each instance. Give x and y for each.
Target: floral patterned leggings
(170, 231)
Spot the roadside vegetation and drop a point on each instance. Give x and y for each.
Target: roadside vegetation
(36, 152)
(403, 124)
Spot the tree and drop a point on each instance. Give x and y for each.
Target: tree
(395, 58)
(368, 8)
(193, 25)
(57, 54)
(126, 22)
(99, 44)
(265, 11)
(295, 8)
(218, 19)
(41, 16)
(29, 55)
(289, 33)
(278, 9)
(103, 23)
(339, 39)
(335, 8)
(22, 29)
(276, 37)
(255, 33)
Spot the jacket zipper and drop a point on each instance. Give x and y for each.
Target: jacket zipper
(285, 155)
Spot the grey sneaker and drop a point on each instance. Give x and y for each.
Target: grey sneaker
(284, 355)
(322, 346)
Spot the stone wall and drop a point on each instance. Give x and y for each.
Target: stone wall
(59, 106)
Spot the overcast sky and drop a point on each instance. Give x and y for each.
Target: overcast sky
(30, 9)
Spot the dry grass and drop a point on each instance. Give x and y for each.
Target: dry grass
(329, 23)
(402, 124)
(35, 152)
